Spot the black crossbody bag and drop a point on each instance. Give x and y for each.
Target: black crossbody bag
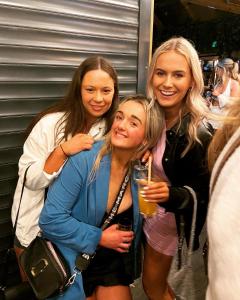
(46, 269)
(83, 260)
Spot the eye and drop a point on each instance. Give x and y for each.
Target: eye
(107, 91)
(89, 90)
(179, 75)
(134, 124)
(118, 117)
(159, 73)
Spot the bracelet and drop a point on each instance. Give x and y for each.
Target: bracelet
(60, 145)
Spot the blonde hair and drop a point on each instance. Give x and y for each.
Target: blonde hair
(230, 69)
(230, 125)
(153, 129)
(194, 103)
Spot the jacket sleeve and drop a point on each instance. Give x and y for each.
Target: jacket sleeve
(56, 219)
(37, 147)
(192, 171)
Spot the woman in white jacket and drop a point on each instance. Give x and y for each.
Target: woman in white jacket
(70, 126)
(223, 220)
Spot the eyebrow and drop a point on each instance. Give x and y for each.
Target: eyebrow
(132, 116)
(93, 85)
(175, 71)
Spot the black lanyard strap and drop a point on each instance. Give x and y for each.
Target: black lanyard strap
(117, 202)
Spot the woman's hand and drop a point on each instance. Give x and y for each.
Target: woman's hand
(157, 191)
(78, 143)
(146, 156)
(116, 239)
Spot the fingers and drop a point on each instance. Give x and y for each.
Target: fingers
(157, 192)
(78, 143)
(116, 239)
(146, 156)
(124, 247)
(126, 238)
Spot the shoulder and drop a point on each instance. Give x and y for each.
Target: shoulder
(204, 132)
(235, 87)
(89, 155)
(84, 160)
(49, 121)
(234, 83)
(52, 118)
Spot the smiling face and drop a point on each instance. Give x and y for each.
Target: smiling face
(171, 81)
(97, 92)
(128, 129)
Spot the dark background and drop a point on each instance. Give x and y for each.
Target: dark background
(212, 25)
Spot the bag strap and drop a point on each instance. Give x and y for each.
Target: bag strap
(117, 201)
(192, 232)
(225, 158)
(23, 185)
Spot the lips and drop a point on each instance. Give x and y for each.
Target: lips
(97, 108)
(120, 134)
(167, 93)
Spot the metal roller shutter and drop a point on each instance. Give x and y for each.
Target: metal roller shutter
(41, 43)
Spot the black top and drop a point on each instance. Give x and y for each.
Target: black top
(190, 170)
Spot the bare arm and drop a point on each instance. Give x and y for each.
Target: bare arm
(235, 89)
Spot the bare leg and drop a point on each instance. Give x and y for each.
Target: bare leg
(117, 292)
(156, 267)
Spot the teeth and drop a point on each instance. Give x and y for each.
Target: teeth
(167, 93)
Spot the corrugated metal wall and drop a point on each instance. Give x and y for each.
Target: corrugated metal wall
(41, 42)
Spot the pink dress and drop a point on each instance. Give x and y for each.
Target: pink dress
(161, 230)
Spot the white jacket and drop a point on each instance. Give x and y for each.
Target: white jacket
(223, 225)
(38, 146)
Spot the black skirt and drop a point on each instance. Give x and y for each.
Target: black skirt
(109, 267)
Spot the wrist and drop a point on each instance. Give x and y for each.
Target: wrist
(63, 150)
(101, 240)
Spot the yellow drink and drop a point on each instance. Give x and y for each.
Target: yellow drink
(146, 208)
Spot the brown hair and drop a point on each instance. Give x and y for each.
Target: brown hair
(72, 106)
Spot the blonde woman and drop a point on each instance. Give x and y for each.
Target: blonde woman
(223, 220)
(226, 85)
(175, 81)
(77, 205)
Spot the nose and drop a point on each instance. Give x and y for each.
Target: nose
(122, 124)
(98, 97)
(168, 81)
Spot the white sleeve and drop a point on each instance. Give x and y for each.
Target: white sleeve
(38, 146)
